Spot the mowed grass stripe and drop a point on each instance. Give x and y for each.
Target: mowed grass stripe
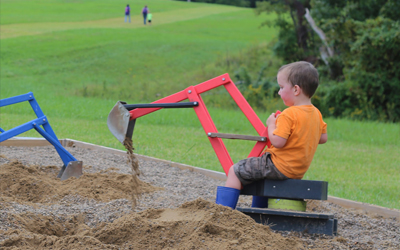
(28, 29)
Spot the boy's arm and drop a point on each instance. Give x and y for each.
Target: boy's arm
(275, 140)
(323, 139)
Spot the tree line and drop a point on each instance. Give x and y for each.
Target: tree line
(355, 44)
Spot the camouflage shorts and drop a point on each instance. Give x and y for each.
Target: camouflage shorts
(257, 168)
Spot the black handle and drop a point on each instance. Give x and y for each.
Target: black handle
(161, 105)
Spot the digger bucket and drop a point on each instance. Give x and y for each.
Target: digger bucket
(119, 120)
(71, 166)
(74, 169)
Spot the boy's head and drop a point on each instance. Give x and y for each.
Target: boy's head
(303, 74)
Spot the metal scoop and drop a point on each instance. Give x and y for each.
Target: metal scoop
(119, 120)
(74, 169)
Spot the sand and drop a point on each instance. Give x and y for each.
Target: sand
(174, 209)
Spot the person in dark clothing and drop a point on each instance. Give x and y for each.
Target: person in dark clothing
(127, 13)
(145, 10)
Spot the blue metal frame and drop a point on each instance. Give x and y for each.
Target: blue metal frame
(47, 132)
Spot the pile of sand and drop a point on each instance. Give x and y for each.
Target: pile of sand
(37, 184)
(195, 224)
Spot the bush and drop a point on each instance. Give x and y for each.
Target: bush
(374, 68)
(366, 40)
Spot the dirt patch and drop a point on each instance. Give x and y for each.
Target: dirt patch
(176, 210)
(38, 184)
(194, 225)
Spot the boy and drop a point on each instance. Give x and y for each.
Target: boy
(149, 17)
(294, 135)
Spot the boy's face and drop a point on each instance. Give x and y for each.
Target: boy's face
(286, 89)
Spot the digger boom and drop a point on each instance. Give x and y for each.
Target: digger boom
(121, 116)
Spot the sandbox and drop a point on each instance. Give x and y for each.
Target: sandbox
(176, 208)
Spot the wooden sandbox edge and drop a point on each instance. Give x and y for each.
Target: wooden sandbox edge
(37, 142)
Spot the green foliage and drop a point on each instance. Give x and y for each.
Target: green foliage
(366, 46)
(254, 73)
(296, 41)
(262, 92)
(390, 10)
(362, 77)
(286, 45)
(253, 83)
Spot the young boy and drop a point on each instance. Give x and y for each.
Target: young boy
(294, 135)
(149, 17)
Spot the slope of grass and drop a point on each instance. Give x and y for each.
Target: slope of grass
(39, 11)
(122, 63)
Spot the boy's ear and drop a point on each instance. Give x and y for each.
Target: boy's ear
(297, 90)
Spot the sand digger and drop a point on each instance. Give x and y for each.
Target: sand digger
(122, 118)
(71, 167)
(290, 194)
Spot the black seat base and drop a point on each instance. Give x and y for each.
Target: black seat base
(281, 220)
(288, 189)
(285, 220)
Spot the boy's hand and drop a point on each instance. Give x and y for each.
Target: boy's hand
(271, 120)
(275, 140)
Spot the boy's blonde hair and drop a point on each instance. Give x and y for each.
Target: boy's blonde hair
(303, 74)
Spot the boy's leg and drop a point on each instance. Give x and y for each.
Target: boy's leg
(227, 196)
(268, 171)
(253, 169)
(233, 181)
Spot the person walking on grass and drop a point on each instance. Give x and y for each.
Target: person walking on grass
(127, 13)
(294, 135)
(145, 10)
(149, 17)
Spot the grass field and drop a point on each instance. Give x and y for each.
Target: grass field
(79, 58)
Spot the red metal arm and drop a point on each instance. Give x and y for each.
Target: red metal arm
(193, 94)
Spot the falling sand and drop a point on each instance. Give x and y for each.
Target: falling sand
(134, 163)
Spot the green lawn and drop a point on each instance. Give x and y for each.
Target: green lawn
(79, 58)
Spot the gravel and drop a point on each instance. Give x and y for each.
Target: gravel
(356, 229)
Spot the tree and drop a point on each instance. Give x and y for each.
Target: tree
(295, 38)
(365, 38)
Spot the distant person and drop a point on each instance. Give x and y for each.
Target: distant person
(127, 13)
(149, 16)
(145, 10)
(294, 135)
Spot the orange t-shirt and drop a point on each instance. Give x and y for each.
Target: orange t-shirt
(302, 126)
